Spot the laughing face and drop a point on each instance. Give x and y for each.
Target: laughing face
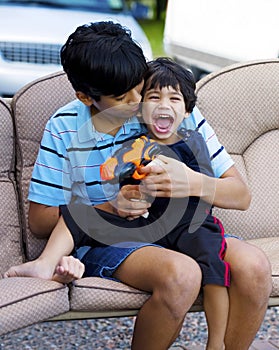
(163, 111)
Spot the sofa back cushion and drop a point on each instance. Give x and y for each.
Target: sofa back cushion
(241, 102)
(10, 234)
(32, 106)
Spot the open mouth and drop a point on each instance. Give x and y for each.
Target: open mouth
(163, 123)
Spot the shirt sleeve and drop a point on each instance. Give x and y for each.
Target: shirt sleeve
(201, 160)
(221, 161)
(51, 178)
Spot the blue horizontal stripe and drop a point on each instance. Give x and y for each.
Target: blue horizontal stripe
(216, 153)
(50, 184)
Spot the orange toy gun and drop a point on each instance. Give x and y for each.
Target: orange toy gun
(129, 159)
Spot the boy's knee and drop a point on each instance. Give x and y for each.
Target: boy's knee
(255, 275)
(258, 265)
(185, 273)
(181, 284)
(260, 272)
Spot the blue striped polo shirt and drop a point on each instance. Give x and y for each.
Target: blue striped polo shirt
(71, 152)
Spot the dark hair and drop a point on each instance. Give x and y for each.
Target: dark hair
(164, 72)
(101, 58)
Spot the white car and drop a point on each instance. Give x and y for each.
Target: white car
(209, 34)
(32, 33)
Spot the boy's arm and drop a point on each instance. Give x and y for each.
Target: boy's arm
(50, 177)
(231, 192)
(200, 161)
(42, 219)
(59, 244)
(175, 179)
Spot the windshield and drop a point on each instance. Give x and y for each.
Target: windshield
(97, 5)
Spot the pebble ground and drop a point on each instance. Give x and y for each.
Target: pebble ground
(115, 333)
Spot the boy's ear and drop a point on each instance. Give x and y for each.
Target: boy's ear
(186, 115)
(87, 100)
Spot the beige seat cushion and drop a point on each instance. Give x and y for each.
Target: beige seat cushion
(24, 301)
(10, 231)
(97, 294)
(100, 295)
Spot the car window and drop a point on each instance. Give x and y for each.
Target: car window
(104, 5)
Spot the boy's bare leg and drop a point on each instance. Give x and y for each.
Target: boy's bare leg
(216, 306)
(174, 281)
(59, 244)
(248, 294)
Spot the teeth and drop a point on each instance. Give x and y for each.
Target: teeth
(164, 116)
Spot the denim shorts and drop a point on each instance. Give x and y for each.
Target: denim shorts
(103, 261)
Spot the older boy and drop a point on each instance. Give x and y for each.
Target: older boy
(106, 68)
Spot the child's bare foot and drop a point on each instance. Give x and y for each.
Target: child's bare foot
(36, 268)
(68, 270)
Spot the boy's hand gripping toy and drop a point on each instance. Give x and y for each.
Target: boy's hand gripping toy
(128, 160)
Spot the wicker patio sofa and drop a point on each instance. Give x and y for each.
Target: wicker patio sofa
(241, 102)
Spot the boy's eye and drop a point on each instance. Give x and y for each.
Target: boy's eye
(120, 98)
(176, 97)
(153, 97)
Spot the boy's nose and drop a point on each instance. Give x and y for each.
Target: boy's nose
(164, 103)
(134, 96)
